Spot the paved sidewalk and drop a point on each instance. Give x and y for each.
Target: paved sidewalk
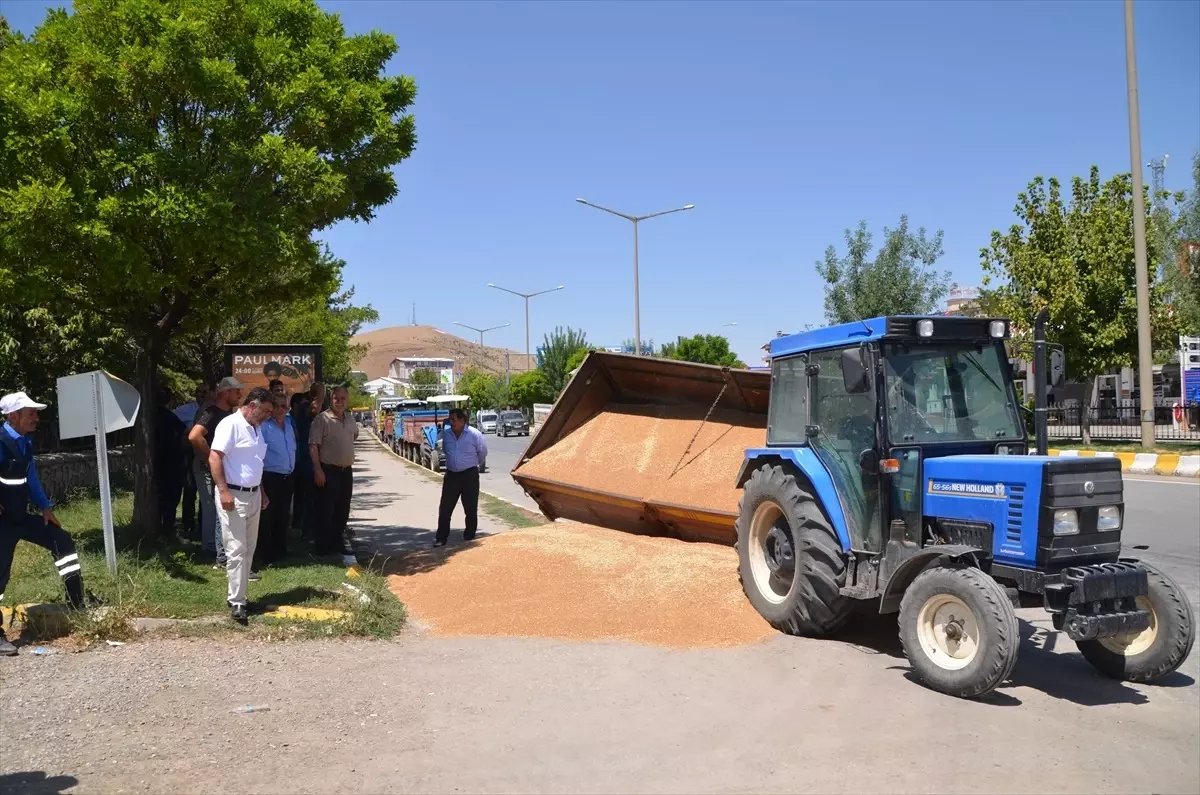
(395, 506)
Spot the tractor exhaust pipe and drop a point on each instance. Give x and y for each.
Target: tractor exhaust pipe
(1040, 410)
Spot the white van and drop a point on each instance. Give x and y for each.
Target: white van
(487, 421)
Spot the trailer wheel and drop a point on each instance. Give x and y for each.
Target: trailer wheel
(790, 562)
(959, 631)
(1155, 651)
(435, 460)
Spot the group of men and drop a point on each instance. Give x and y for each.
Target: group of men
(259, 466)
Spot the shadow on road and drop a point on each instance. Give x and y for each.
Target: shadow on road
(31, 783)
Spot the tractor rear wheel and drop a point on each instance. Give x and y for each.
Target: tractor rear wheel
(959, 631)
(1155, 651)
(791, 564)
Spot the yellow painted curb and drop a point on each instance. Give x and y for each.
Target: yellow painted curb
(1166, 463)
(1086, 453)
(353, 572)
(1126, 460)
(1052, 451)
(45, 618)
(305, 613)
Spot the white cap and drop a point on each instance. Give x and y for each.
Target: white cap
(17, 401)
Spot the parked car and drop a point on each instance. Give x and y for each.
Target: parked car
(512, 423)
(487, 421)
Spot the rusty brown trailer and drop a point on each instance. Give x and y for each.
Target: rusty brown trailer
(646, 445)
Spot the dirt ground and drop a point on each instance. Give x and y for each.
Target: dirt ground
(427, 714)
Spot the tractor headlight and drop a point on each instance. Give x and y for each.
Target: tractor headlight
(996, 329)
(924, 328)
(1109, 518)
(1066, 522)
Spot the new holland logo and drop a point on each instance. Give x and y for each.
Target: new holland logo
(956, 488)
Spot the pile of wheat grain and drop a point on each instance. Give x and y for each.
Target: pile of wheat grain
(656, 453)
(586, 583)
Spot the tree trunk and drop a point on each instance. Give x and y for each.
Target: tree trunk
(145, 484)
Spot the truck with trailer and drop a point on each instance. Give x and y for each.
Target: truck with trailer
(882, 463)
(418, 432)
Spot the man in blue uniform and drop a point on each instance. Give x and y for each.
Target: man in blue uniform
(19, 486)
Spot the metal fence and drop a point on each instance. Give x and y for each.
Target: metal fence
(1067, 421)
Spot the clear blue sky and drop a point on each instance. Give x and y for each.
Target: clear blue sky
(783, 123)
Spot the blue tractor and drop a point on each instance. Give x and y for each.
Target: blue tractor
(894, 473)
(895, 469)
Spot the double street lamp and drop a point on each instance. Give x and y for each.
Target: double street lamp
(634, 219)
(482, 330)
(526, 296)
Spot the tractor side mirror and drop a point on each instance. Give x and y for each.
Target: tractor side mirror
(856, 377)
(868, 462)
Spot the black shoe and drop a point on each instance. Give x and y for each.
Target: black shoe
(238, 614)
(437, 544)
(253, 576)
(468, 537)
(6, 647)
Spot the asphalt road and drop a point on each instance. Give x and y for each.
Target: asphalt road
(1164, 514)
(503, 454)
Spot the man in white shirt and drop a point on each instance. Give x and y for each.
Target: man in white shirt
(238, 451)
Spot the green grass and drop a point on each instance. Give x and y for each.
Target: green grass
(166, 578)
(512, 515)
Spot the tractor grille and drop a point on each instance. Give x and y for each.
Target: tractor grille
(1016, 512)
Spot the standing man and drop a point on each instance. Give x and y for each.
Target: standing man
(276, 387)
(19, 486)
(236, 462)
(303, 416)
(228, 395)
(187, 415)
(169, 433)
(331, 450)
(466, 454)
(280, 436)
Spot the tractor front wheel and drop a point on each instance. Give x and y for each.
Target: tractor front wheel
(959, 631)
(1155, 651)
(791, 564)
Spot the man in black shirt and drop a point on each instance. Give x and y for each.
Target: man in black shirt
(304, 409)
(168, 461)
(228, 397)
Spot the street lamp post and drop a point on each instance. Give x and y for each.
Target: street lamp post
(1145, 354)
(526, 296)
(481, 330)
(727, 325)
(634, 219)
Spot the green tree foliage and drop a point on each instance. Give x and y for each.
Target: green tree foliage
(1176, 220)
(1074, 256)
(703, 349)
(424, 382)
(529, 388)
(900, 280)
(484, 389)
(557, 349)
(166, 164)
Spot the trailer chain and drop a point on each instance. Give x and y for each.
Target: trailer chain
(711, 408)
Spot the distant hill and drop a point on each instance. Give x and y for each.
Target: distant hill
(386, 344)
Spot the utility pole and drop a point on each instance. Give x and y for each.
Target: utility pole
(482, 330)
(1145, 351)
(635, 220)
(526, 296)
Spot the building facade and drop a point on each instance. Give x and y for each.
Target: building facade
(402, 368)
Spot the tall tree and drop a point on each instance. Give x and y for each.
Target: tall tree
(703, 349)
(482, 388)
(557, 349)
(1074, 256)
(423, 382)
(1176, 223)
(900, 280)
(529, 388)
(167, 163)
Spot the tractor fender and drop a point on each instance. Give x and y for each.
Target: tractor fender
(907, 571)
(809, 466)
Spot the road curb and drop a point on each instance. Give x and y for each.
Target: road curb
(1173, 464)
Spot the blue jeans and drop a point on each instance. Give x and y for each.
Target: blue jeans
(210, 533)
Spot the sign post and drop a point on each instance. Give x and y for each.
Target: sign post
(98, 403)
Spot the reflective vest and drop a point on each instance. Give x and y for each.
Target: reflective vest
(14, 478)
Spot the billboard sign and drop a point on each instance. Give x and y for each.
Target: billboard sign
(297, 366)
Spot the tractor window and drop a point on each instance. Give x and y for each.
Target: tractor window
(789, 401)
(949, 393)
(846, 424)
